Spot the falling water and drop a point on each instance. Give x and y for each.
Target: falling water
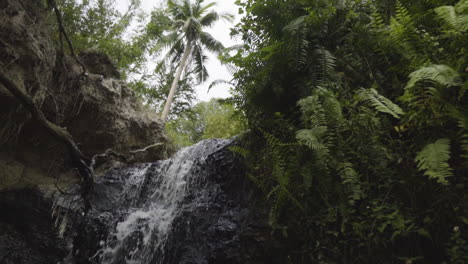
(154, 193)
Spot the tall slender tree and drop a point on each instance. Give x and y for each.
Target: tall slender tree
(186, 39)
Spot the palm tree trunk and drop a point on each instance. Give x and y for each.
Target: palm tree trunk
(175, 82)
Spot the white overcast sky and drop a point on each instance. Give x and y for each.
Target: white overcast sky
(220, 31)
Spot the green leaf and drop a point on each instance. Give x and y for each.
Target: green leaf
(380, 102)
(433, 160)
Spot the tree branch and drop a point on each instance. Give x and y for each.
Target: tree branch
(60, 134)
(62, 31)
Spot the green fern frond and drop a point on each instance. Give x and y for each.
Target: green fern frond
(271, 140)
(454, 17)
(313, 113)
(240, 150)
(292, 198)
(433, 160)
(351, 181)
(272, 192)
(378, 22)
(332, 109)
(380, 102)
(258, 182)
(278, 203)
(464, 146)
(311, 138)
(296, 24)
(401, 13)
(440, 74)
(326, 60)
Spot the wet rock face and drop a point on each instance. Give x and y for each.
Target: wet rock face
(185, 205)
(142, 214)
(27, 233)
(209, 226)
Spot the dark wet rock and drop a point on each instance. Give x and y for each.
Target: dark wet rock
(27, 232)
(214, 221)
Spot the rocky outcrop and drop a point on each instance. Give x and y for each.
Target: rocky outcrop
(100, 111)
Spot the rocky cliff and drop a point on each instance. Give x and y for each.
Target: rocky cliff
(96, 108)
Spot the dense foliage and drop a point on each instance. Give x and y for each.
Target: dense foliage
(357, 113)
(212, 119)
(358, 119)
(99, 26)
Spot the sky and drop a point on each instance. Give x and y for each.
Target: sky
(220, 31)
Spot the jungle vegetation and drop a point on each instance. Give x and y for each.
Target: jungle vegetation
(356, 114)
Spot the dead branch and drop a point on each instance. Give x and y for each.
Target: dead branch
(108, 153)
(145, 149)
(60, 134)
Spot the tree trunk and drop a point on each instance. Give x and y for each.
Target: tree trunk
(175, 82)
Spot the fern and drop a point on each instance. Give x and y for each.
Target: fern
(299, 43)
(380, 102)
(440, 74)
(333, 110)
(464, 146)
(433, 160)
(240, 150)
(281, 164)
(350, 179)
(454, 17)
(311, 138)
(259, 182)
(326, 60)
(313, 114)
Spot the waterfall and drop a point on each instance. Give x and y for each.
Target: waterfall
(153, 194)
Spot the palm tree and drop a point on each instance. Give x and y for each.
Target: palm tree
(187, 41)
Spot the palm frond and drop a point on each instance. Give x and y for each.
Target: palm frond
(433, 160)
(205, 8)
(210, 42)
(167, 41)
(199, 60)
(209, 19)
(219, 82)
(228, 17)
